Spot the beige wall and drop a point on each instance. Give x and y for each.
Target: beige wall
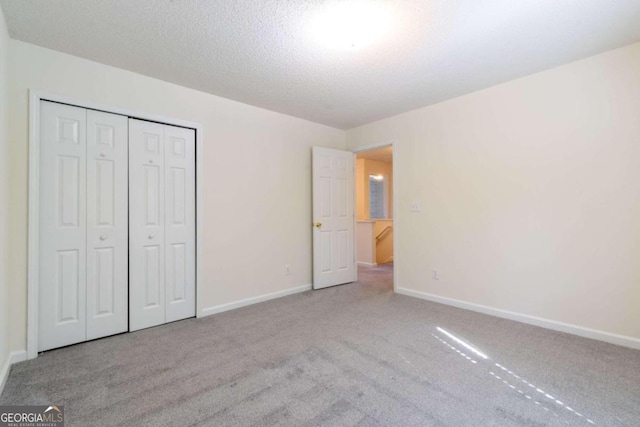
(530, 194)
(256, 175)
(4, 198)
(365, 242)
(362, 191)
(364, 168)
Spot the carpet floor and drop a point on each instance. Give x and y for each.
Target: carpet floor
(352, 355)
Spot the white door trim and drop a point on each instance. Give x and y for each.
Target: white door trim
(34, 196)
(383, 144)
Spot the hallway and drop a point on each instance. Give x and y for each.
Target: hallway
(381, 275)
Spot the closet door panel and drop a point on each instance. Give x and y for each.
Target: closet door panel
(180, 222)
(62, 226)
(107, 224)
(146, 224)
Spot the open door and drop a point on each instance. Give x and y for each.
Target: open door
(334, 260)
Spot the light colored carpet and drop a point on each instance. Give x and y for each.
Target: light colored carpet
(350, 355)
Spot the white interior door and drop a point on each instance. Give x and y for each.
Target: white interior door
(146, 224)
(180, 227)
(62, 226)
(107, 224)
(334, 260)
(161, 223)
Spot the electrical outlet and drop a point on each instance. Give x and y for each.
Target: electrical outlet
(435, 275)
(287, 270)
(414, 206)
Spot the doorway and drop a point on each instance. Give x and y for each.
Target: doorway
(375, 228)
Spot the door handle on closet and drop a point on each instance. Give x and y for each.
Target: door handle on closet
(151, 236)
(103, 237)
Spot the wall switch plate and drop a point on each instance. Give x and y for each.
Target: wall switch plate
(436, 274)
(414, 206)
(287, 270)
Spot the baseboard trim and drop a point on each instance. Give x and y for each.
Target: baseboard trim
(13, 357)
(18, 356)
(595, 334)
(367, 264)
(4, 373)
(253, 300)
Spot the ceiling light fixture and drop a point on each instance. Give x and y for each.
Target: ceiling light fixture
(351, 24)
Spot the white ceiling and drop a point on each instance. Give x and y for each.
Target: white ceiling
(261, 52)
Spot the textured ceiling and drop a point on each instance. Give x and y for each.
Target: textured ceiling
(262, 53)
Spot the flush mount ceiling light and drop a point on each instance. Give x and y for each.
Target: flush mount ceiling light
(351, 24)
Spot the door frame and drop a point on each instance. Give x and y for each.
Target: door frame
(33, 243)
(382, 144)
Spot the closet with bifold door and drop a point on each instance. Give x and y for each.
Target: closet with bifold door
(116, 224)
(162, 217)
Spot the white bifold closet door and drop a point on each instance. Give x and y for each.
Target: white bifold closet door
(162, 223)
(83, 225)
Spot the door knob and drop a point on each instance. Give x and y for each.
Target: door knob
(151, 236)
(103, 237)
(318, 224)
(150, 160)
(103, 154)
